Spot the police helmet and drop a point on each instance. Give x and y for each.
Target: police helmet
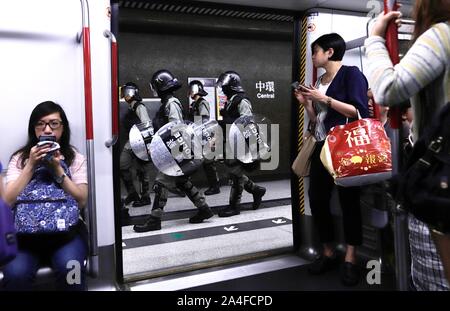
(164, 81)
(131, 91)
(230, 82)
(196, 87)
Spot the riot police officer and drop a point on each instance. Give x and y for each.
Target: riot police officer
(200, 112)
(164, 84)
(137, 113)
(237, 105)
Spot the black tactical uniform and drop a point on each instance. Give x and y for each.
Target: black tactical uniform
(137, 113)
(237, 105)
(164, 84)
(200, 112)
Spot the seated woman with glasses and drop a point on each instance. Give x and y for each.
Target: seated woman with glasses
(66, 251)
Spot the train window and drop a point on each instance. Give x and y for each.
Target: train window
(196, 46)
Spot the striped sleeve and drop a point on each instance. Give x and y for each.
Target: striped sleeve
(423, 63)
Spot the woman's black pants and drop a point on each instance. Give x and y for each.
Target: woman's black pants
(320, 188)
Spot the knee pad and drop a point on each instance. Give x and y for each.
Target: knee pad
(157, 187)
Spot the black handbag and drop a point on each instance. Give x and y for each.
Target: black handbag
(423, 187)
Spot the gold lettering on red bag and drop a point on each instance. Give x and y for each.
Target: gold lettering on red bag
(371, 159)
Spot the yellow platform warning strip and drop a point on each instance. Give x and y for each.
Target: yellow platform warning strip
(301, 109)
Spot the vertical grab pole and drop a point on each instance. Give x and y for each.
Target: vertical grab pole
(392, 47)
(400, 217)
(92, 213)
(114, 89)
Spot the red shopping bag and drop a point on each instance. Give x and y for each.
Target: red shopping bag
(357, 153)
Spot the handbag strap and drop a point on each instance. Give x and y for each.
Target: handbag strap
(311, 126)
(359, 116)
(438, 141)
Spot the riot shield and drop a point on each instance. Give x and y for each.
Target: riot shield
(176, 150)
(140, 137)
(247, 140)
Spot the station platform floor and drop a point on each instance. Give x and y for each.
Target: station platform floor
(180, 243)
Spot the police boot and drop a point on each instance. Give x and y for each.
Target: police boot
(132, 197)
(204, 211)
(257, 191)
(212, 177)
(235, 200)
(212, 190)
(144, 200)
(128, 182)
(145, 196)
(153, 222)
(202, 214)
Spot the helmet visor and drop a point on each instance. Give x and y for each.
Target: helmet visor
(194, 89)
(128, 92)
(224, 79)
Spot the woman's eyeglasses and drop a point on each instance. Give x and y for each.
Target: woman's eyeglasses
(54, 124)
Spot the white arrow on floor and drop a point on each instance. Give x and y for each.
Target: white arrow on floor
(231, 228)
(279, 221)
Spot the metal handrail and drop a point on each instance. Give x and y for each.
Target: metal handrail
(400, 219)
(92, 211)
(114, 90)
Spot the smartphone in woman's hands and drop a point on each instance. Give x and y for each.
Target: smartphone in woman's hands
(301, 87)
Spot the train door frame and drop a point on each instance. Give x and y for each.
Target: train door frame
(303, 243)
(122, 280)
(116, 147)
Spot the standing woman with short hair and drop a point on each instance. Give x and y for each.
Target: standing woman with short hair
(424, 76)
(336, 98)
